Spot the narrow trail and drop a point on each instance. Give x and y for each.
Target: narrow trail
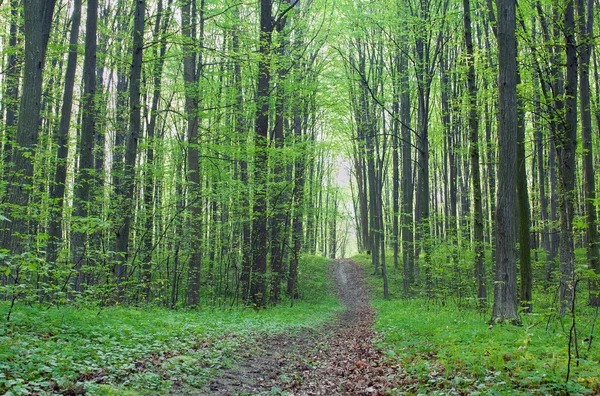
(337, 359)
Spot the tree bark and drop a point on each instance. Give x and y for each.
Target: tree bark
(85, 174)
(192, 97)
(505, 287)
(133, 136)
(259, 210)
(585, 27)
(565, 150)
(479, 264)
(37, 23)
(57, 189)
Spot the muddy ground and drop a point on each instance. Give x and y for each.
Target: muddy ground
(336, 359)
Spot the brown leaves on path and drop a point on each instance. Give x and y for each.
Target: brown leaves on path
(338, 359)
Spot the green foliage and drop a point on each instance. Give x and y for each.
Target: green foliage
(117, 350)
(446, 344)
(448, 347)
(314, 279)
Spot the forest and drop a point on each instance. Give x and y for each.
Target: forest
(179, 178)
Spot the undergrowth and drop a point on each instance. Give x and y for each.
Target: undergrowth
(451, 348)
(119, 350)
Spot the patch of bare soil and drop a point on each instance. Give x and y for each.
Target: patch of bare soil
(337, 359)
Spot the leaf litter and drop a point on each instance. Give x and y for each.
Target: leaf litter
(337, 359)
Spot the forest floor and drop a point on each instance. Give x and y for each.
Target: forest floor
(336, 359)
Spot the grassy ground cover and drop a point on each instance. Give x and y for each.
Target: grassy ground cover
(451, 350)
(116, 350)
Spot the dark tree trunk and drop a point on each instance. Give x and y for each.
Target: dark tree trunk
(85, 175)
(57, 189)
(585, 27)
(11, 86)
(479, 265)
(505, 287)
(259, 210)
(565, 150)
(192, 97)
(408, 267)
(37, 22)
(133, 136)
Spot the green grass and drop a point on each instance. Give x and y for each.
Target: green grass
(449, 348)
(120, 350)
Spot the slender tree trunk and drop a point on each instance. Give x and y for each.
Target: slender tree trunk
(259, 210)
(408, 266)
(526, 297)
(279, 201)
(479, 264)
(57, 189)
(160, 31)
(585, 27)
(10, 96)
(192, 97)
(135, 129)
(85, 175)
(565, 149)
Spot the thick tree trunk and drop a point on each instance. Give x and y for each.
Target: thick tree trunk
(37, 22)
(505, 287)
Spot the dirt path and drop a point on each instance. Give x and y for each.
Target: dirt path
(338, 359)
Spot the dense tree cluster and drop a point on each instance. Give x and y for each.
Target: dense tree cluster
(161, 151)
(472, 146)
(184, 152)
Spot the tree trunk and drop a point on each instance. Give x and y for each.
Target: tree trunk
(85, 175)
(505, 287)
(479, 264)
(192, 97)
(526, 297)
(565, 150)
(259, 210)
(57, 189)
(585, 27)
(133, 136)
(37, 22)
(11, 87)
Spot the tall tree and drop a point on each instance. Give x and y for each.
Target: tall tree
(479, 264)
(565, 142)
(585, 24)
(85, 173)
(57, 189)
(10, 96)
(505, 286)
(37, 23)
(133, 136)
(261, 130)
(191, 63)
